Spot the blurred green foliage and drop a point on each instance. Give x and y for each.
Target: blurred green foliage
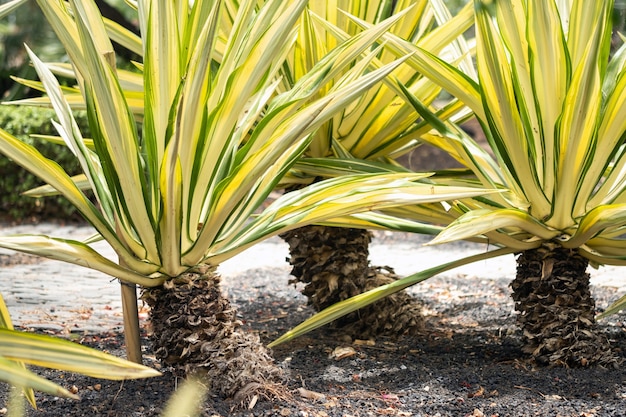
(619, 16)
(21, 122)
(26, 25)
(455, 5)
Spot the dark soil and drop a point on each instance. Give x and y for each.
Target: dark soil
(468, 363)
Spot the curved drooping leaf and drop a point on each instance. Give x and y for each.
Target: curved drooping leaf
(18, 376)
(359, 301)
(482, 221)
(18, 348)
(64, 355)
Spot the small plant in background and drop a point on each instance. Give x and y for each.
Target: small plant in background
(333, 262)
(216, 139)
(25, 24)
(551, 102)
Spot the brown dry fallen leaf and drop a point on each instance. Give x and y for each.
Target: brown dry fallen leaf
(342, 352)
(360, 342)
(478, 393)
(311, 395)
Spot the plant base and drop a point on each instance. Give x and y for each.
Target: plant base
(557, 313)
(195, 330)
(333, 264)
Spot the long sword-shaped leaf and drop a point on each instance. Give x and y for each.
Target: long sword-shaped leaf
(543, 101)
(507, 136)
(80, 180)
(334, 198)
(610, 134)
(16, 375)
(164, 66)
(381, 221)
(171, 190)
(195, 93)
(578, 125)
(117, 138)
(60, 19)
(352, 304)
(32, 160)
(69, 131)
(78, 253)
(479, 222)
(64, 355)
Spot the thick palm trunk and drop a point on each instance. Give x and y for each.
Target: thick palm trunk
(330, 261)
(557, 313)
(333, 263)
(195, 330)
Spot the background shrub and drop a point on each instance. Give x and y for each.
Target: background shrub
(14, 180)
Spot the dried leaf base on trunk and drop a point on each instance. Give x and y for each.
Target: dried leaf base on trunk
(557, 313)
(333, 263)
(196, 331)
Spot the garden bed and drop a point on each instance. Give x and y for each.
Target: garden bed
(468, 361)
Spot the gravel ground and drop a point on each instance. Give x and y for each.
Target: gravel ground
(467, 363)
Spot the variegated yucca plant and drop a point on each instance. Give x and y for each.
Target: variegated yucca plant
(333, 262)
(18, 348)
(551, 100)
(216, 138)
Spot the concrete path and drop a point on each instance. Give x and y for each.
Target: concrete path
(63, 297)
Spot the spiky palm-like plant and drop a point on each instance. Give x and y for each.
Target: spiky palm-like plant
(333, 262)
(551, 101)
(216, 138)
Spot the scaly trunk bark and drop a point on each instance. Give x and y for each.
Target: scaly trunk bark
(195, 330)
(333, 263)
(557, 313)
